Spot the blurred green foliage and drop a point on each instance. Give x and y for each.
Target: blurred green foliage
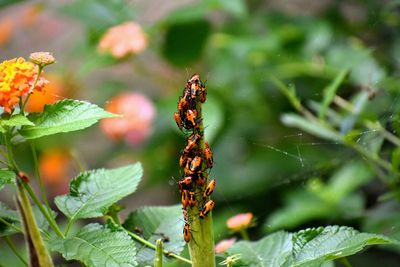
(302, 111)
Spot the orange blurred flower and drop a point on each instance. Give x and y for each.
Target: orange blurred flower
(135, 125)
(50, 94)
(56, 167)
(224, 245)
(17, 78)
(121, 40)
(240, 221)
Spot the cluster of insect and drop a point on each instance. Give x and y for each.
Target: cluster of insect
(194, 160)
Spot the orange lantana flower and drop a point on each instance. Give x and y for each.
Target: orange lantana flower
(123, 39)
(17, 79)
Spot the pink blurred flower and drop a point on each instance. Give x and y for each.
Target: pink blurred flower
(121, 40)
(224, 245)
(240, 221)
(135, 125)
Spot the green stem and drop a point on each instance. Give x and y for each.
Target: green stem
(345, 262)
(10, 156)
(14, 249)
(70, 222)
(150, 245)
(158, 259)
(50, 219)
(39, 177)
(32, 232)
(5, 163)
(10, 225)
(244, 234)
(201, 244)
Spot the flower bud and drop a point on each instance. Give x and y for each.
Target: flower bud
(42, 58)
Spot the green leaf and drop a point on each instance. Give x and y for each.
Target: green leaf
(156, 223)
(330, 92)
(316, 245)
(312, 127)
(6, 177)
(63, 116)
(11, 217)
(300, 206)
(384, 218)
(93, 192)
(270, 251)
(312, 247)
(16, 120)
(96, 245)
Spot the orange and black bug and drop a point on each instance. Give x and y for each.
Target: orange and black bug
(209, 189)
(194, 85)
(207, 208)
(192, 142)
(184, 211)
(192, 199)
(185, 198)
(23, 176)
(191, 116)
(178, 120)
(187, 170)
(186, 232)
(208, 155)
(195, 164)
(183, 103)
(200, 179)
(203, 93)
(183, 159)
(185, 183)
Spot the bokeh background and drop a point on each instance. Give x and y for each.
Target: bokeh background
(134, 57)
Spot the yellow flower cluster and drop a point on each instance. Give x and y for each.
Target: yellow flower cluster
(17, 79)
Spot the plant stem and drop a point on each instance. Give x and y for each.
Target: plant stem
(201, 244)
(67, 228)
(39, 177)
(32, 232)
(50, 219)
(14, 249)
(158, 259)
(244, 234)
(150, 245)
